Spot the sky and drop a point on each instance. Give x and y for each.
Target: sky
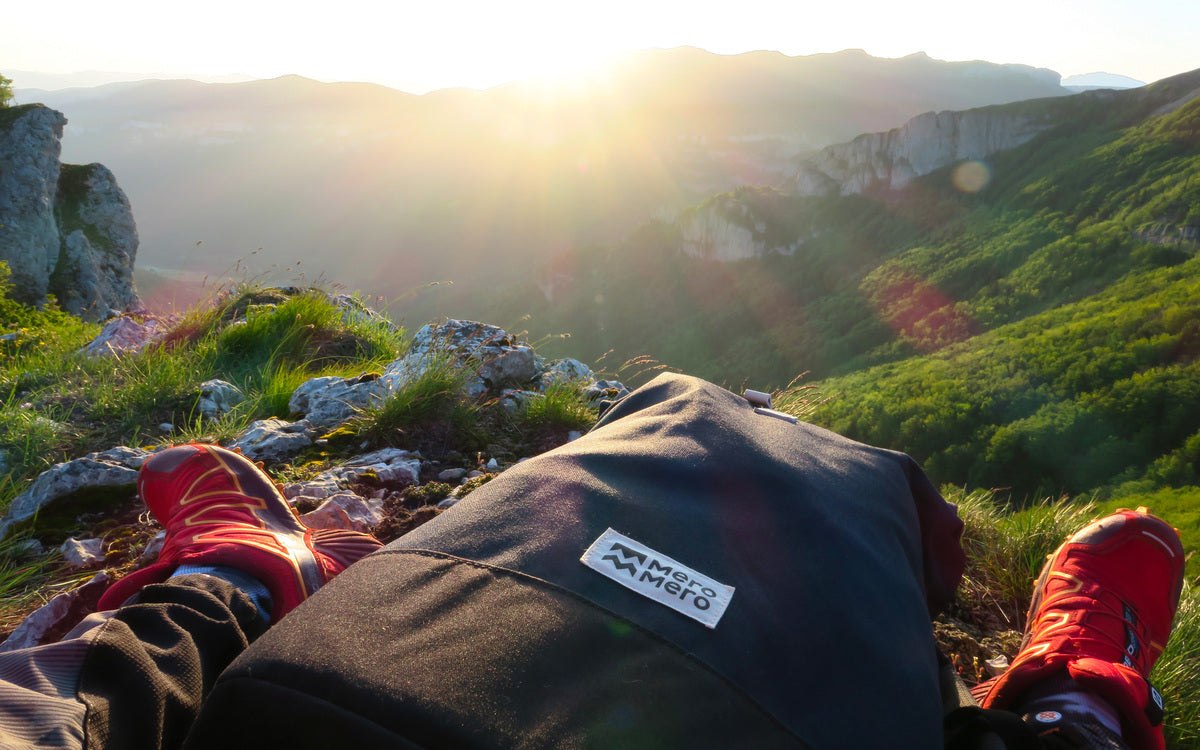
(420, 46)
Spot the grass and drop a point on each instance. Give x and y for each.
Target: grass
(56, 403)
(801, 401)
(562, 407)
(425, 412)
(1177, 675)
(1006, 550)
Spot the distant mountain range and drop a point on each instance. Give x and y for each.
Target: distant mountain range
(1089, 81)
(29, 83)
(390, 191)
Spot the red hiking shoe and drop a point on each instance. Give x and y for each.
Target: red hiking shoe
(1101, 614)
(219, 508)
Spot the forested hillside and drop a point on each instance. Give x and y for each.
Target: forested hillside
(1039, 334)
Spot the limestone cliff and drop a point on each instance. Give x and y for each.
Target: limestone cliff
(734, 226)
(65, 230)
(922, 145)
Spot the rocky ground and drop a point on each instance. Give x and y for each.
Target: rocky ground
(87, 508)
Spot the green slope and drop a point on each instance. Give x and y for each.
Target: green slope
(1039, 335)
(1096, 392)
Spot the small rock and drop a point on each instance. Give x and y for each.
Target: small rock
(122, 335)
(33, 628)
(388, 465)
(218, 397)
(153, 548)
(605, 389)
(344, 510)
(166, 427)
(31, 548)
(83, 553)
(996, 667)
(565, 370)
(317, 489)
(273, 440)
(448, 502)
(329, 401)
(493, 464)
(452, 475)
(514, 400)
(574, 435)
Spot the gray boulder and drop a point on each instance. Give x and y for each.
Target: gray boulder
(116, 467)
(30, 144)
(329, 401)
(218, 397)
(273, 440)
(494, 357)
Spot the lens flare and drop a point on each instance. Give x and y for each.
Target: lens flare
(971, 176)
(920, 313)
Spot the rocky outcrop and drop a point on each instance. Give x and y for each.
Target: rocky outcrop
(94, 275)
(734, 226)
(29, 171)
(710, 233)
(65, 230)
(924, 144)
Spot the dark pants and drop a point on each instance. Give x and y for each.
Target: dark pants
(137, 678)
(130, 679)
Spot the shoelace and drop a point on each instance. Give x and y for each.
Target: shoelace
(1130, 638)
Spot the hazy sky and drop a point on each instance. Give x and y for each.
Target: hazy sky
(438, 43)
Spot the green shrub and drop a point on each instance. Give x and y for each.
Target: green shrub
(561, 407)
(303, 330)
(425, 411)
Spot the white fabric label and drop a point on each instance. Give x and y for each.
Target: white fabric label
(656, 576)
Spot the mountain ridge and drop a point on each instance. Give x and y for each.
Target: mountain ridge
(414, 189)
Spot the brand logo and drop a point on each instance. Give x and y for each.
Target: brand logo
(658, 577)
(1048, 717)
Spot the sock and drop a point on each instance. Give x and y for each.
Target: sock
(243, 581)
